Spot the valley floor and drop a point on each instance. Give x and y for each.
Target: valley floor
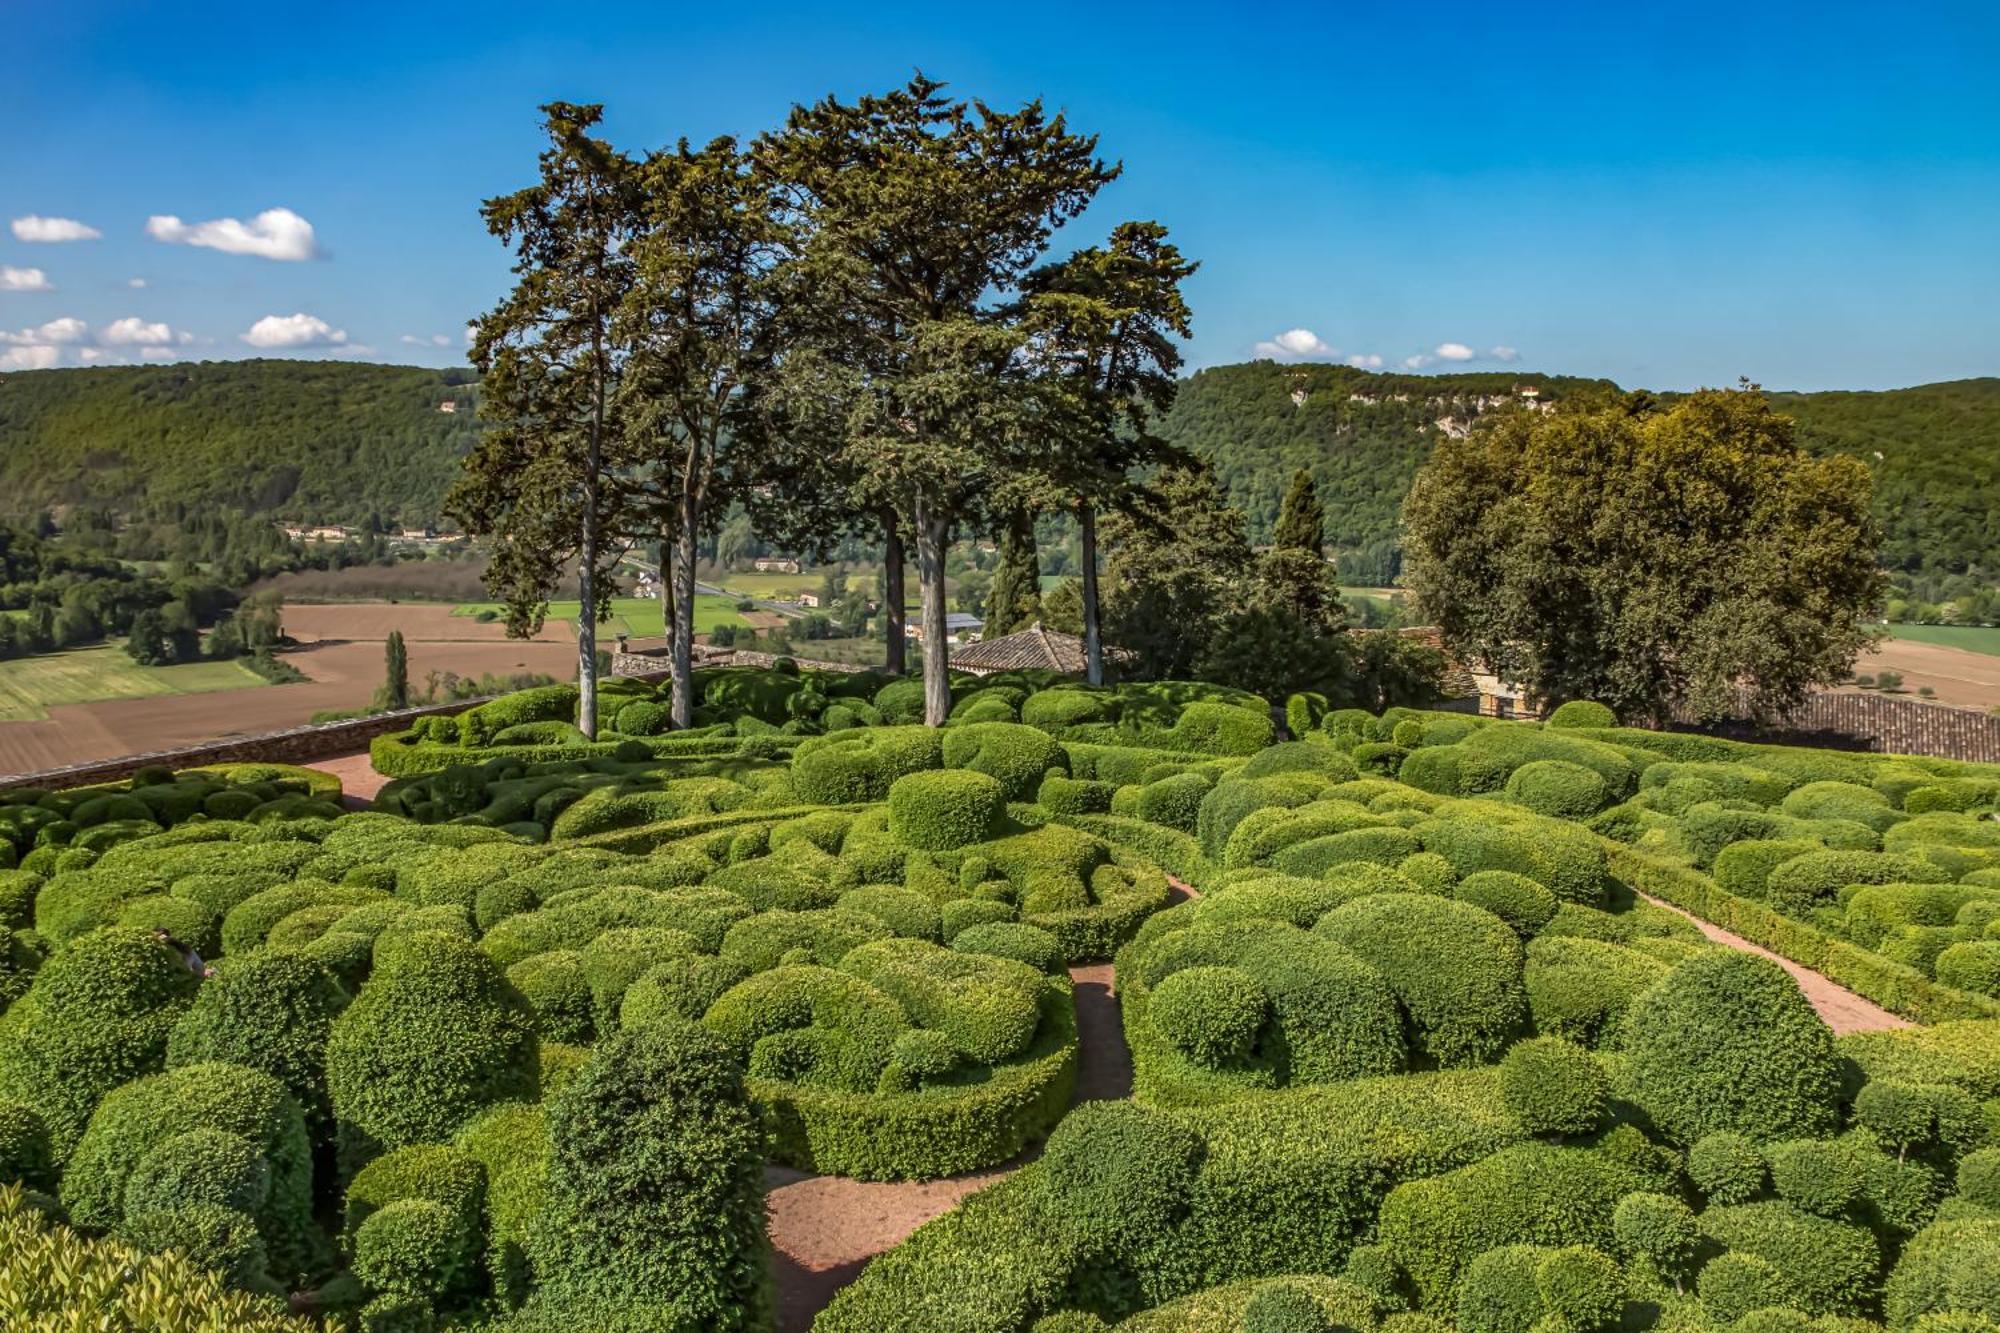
(340, 651)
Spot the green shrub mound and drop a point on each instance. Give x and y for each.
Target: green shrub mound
(941, 811)
(1457, 969)
(435, 1035)
(1214, 1010)
(1554, 1087)
(1726, 1041)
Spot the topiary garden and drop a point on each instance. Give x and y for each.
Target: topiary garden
(1412, 1049)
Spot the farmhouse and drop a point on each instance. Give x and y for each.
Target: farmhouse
(958, 627)
(1034, 648)
(777, 564)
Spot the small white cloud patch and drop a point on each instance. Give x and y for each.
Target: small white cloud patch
(24, 280)
(132, 331)
(1453, 352)
(49, 231)
(1298, 345)
(300, 330)
(275, 233)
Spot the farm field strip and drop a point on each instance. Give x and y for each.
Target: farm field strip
(1982, 639)
(638, 617)
(30, 686)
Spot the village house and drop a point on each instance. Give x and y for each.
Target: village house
(958, 627)
(777, 564)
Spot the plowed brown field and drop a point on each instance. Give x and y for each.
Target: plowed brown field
(340, 651)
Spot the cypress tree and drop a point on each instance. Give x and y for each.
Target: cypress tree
(396, 678)
(1301, 518)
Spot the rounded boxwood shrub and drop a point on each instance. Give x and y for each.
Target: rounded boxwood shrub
(142, 1116)
(1059, 708)
(1456, 968)
(1117, 1174)
(1726, 1041)
(1016, 940)
(435, 1035)
(1016, 756)
(25, 1155)
(271, 1011)
(1824, 1266)
(940, 811)
(220, 1240)
(1659, 1229)
(1221, 728)
(1582, 713)
(1557, 788)
(1581, 1288)
(203, 1165)
(1498, 1294)
(408, 1248)
(1727, 1167)
(1972, 965)
(1515, 899)
(1281, 1307)
(1732, 1285)
(98, 1014)
(1819, 1175)
(1174, 801)
(1979, 1178)
(557, 988)
(1554, 1087)
(1212, 1014)
(655, 1188)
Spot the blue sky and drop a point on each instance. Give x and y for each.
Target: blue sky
(1668, 195)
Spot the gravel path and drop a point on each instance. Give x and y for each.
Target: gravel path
(1840, 1008)
(358, 779)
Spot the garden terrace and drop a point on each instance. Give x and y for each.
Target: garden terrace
(1419, 1050)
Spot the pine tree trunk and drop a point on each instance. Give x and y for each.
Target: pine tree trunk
(896, 643)
(683, 644)
(586, 620)
(931, 533)
(1093, 642)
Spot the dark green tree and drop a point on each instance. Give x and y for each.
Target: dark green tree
(147, 643)
(1301, 517)
(695, 320)
(542, 481)
(1648, 558)
(1015, 599)
(917, 216)
(1105, 325)
(1293, 577)
(396, 672)
(1175, 565)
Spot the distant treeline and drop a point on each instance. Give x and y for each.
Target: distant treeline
(330, 442)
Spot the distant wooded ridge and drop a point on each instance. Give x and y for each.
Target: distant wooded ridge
(336, 442)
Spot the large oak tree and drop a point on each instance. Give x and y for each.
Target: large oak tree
(1652, 559)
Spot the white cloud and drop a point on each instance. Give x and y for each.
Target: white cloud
(301, 330)
(34, 357)
(276, 233)
(471, 334)
(1367, 361)
(1417, 362)
(158, 353)
(434, 340)
(136, 284)
(68, 329)
(1453, 352)
(1504, 354)
(24, 280)
(36, 228)
(132, 331)
(91, 355)
(1298, 345)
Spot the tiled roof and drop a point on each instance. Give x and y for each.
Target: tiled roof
(1033, 647)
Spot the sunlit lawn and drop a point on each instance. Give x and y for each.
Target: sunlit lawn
(30, 686)
(1971, 638)
(638, 617)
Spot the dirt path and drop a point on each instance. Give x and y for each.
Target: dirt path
(824, 1229)
(1840, 1008)
(358, 779)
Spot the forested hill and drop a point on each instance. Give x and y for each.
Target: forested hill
(1935, 451)
(312, 440)
(333, 442)
(1363, 436)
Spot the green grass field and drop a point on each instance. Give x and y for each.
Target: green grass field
(29, 686)
(638, 617)
(1971, 638)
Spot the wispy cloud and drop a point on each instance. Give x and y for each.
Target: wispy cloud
(34, 227)
(289, 331)
(24, 280)
(276, 233)
(434, 340)
(68, 329)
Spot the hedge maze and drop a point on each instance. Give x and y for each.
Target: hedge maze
(513, 1047)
